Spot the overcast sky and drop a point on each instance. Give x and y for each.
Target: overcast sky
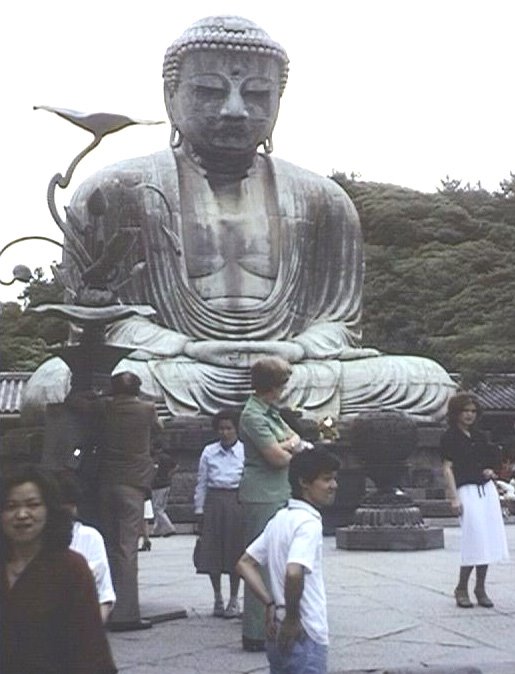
(399, 91)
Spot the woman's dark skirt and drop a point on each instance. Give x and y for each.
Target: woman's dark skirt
(222, 541)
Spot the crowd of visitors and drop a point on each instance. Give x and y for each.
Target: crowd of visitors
(257, 500)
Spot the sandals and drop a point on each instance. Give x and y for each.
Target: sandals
(218, 608)
(232, 610)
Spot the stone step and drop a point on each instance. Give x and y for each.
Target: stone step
(424, 493)
(435, 507)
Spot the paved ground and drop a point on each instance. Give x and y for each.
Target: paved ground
(386, 610)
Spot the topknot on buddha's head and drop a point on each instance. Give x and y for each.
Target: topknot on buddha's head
(231, 33)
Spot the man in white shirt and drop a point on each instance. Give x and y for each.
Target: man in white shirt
(89, 542)
(291, 547)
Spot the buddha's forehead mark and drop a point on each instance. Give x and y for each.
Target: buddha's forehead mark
(230, 65)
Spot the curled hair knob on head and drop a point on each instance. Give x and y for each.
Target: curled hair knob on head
(225, 33)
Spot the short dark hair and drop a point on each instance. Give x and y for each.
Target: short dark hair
(458, 403)
(268, 373)
(308, 465)
(226, 415)
(125, 382)
(57, 534)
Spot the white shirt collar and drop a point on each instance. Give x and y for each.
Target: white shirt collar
(298, 504)
(222, 449)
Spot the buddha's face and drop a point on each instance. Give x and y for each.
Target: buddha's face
(226, 102)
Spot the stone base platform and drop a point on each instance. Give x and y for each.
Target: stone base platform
(421, 670)
(389, 538)
(155, 613)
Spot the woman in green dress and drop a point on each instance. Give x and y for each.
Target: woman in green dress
(269, 445)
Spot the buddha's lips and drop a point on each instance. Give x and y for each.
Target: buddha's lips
(231, 128)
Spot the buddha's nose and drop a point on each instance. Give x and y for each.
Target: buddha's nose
(234, 105)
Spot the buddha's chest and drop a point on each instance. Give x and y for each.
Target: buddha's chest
(218, 240)
(231, 242)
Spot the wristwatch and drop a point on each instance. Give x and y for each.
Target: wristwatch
(280, 612)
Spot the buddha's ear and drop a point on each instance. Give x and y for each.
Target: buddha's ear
(168, 98)
(175, 133)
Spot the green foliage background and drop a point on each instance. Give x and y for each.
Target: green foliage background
(24, 338)
(440, 279)
(440, 272)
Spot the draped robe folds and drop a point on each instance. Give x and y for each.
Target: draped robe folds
(313, 310)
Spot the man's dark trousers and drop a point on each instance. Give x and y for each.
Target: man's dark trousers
(121, 508)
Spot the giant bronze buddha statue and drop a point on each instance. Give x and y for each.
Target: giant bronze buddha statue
(245, 254)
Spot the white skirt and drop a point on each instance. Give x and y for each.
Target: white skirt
(483, 537)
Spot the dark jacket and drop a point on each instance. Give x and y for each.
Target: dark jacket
(165, 468)
(125, 457)
(50, 622)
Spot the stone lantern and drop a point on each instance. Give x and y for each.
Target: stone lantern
(387, 518)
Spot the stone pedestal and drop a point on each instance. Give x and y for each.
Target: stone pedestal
(389, 538)
(71, 441)
(389, 521)
(64, 431)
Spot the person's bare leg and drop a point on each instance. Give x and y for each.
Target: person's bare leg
(216, 582)
(235, 585)
(232, 609)
(145, 535)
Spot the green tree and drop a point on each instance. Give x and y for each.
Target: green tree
(440, 272)
(25, 338)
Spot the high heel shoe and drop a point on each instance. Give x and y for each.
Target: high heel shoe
(483, 599)
(146, 545)
(462, 599)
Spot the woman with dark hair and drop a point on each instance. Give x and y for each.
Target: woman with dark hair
(269, 445)
(219, 511)
(469, 464)
(48, 603)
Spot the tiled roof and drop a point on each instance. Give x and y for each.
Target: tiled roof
(497, 392)
(11, 387)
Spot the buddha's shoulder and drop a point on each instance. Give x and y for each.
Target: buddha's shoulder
(131, 172)
(298, 176)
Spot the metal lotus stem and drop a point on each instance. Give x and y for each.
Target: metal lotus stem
(63, 182)
(21, 272)
(99, 124)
